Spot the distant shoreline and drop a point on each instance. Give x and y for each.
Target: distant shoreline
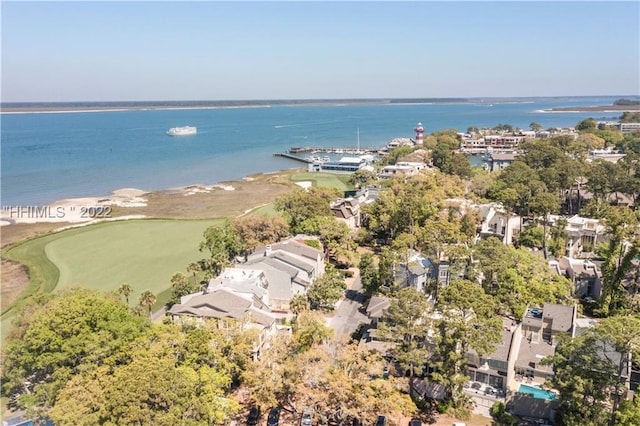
(596, 108)
(69, 107)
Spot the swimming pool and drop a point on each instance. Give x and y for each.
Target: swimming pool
(537, 392)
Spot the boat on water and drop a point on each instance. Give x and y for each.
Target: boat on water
(182, 131)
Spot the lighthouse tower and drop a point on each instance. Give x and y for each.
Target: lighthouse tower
(419, 134)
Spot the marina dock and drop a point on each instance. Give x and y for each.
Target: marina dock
(292, 157)
(332, 150)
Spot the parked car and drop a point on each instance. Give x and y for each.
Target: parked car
(307, 418)
(274, 417)
(415, 422)
(382, 421)
(254, 415)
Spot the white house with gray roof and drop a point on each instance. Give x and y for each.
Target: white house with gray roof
(224, 303)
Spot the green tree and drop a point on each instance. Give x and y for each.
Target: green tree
(618, 253)
(255, 230)
(326, 289)
(181, 286)
(588, 124)
(407, 321)
(501, 416)
(517, 278)
(222, 243)
(148, 299)
(469, 321)
(310, 329)
(368, 274)
(298, 303)
(300, 205)
(362, 177)
(588, 371)
(76, 331)
(194, 268)
(125, 290)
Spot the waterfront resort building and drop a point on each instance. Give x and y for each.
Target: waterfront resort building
(343, 165)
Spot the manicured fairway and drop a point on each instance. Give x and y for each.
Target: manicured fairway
(142, 253)
(330, 180)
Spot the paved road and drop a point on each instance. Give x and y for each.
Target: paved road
(347, 316)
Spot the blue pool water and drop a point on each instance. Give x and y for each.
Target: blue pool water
(537, 392)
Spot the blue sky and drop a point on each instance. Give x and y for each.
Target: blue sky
(110, 51)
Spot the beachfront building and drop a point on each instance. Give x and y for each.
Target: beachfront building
(343, 165)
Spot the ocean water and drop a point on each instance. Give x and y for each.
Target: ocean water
(51, 156)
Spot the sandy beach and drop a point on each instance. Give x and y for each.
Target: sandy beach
(197, 201)
(74, 210)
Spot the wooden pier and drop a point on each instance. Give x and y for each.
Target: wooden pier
(292, 157)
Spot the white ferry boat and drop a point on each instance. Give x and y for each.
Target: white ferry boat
(182, 131)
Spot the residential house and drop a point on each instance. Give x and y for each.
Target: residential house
(343, 165)
(224, 303)
(494, 369)
(418, 271)
(533, 411)
(242, 281)
(583, 234)
(402, 168)
(347, 210)
(584, 274)
(540, 328)
(500, 160)
(497, 222)
(290, 267)
(376, 310)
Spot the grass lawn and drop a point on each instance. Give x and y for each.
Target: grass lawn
(142, 253)
(331, 180)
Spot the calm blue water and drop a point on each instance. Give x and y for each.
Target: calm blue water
(47, 157)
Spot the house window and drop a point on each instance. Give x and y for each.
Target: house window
(496, 382)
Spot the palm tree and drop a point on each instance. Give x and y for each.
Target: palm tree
(125, 290)
(194, 267)
(148, 299)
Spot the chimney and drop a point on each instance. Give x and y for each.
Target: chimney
(267, 250)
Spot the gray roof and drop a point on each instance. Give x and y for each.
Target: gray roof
(377, 306)
(222, 303)
(562, 316)
(279, 279)
(294, 261)
(417, 268)
(559, 316)
(527, 406)
(531, 354)
(501, 352)
(301, 249)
